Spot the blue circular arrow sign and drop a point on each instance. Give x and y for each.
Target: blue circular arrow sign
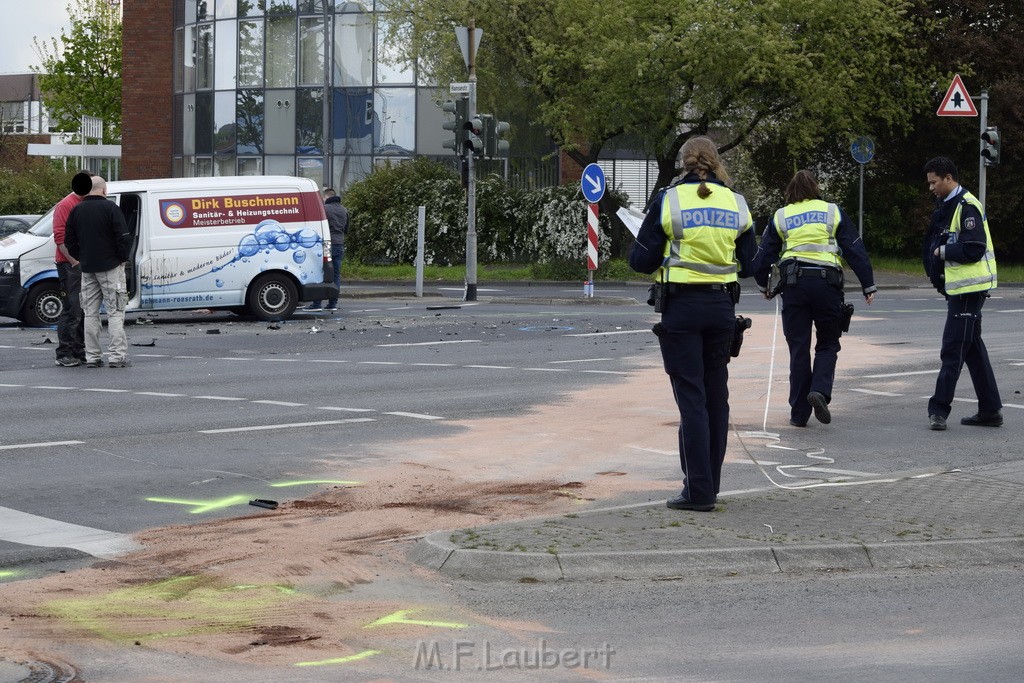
(863, 149)
(592, 183)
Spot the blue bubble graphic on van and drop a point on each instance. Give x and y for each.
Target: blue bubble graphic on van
(219, 282)
(248, 246)
(282, 241)
(299, 257)
(308, 238)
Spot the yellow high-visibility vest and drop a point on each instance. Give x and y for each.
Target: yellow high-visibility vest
(980, 276)
(808, 231)
(702, 234)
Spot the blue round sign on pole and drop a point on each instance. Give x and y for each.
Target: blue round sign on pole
(863, 149)
(592, 183)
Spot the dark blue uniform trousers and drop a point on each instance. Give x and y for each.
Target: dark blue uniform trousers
(699, 326)
(961, 343)
(811, 301)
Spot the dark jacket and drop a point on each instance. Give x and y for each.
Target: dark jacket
(337, 219)
(97, 235)
(970, 246)
(648, 251)
(851, 249)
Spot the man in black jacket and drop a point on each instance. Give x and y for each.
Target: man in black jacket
(98, 237)
(337, 221)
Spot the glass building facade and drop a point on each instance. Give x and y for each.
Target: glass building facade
(294, 87)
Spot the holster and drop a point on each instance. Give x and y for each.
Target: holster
(742, 325)
(844, 325)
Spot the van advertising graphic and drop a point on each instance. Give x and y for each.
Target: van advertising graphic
(202, 212)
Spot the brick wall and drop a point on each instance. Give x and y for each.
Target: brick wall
(146, 89)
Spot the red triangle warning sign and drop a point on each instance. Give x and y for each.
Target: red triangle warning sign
(957, 102)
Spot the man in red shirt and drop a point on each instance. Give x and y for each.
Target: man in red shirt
(70, 325)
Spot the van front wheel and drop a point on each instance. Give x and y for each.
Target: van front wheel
(43, 305)
(272, 297)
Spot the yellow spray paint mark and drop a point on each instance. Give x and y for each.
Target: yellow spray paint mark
(342, 660)
(400, 617)
(7, 573)
(184, 605)
(570, 494)
(201, 506)
(311, 482)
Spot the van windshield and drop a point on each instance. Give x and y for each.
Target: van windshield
(44, 226)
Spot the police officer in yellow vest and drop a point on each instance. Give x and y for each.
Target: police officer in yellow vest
(698, 238)
(805, 238)
(960, 262)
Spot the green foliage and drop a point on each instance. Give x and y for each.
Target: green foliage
(81, 71)
(545, 226)
(33, 190)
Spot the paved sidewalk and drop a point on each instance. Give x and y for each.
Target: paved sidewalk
(924, 520)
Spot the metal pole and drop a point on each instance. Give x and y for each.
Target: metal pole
(327, 141)
(421, 238)
(471, 183)
(981, 146)
(860, 210)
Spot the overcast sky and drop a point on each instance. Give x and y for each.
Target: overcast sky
(22, 21)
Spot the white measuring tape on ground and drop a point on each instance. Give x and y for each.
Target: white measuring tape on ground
(774, 441)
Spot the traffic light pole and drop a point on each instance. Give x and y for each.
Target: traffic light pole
(983, 111)
(470, 294)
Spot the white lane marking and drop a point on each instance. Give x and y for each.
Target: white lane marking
(434, 365)
(974, 400)
(581, 360)
(330, 361)
(12, 385)
(225, 358)
(1017, 364)
(41, 444)
(418, 416)
(902, 374)
(286, 404)
(43, 386)
(222, 398)
(490, 367)
(158, 393)
(201, 358)
(347, 410)
(280, 360)
(378, 362)
(434, 343)
(875, 393)
(1013, 405)
(605, 372)
(152, 355)
(653, 450)
(462, 289)
(27, 529)
(601, 334)
(747, 461)
(290, 425)
(548, 369)
(109, 391)
(1012, 310)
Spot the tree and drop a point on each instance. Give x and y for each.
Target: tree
(80, 73)
(661, 71)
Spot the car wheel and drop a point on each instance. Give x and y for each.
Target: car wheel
(272, 297)
(43, 305)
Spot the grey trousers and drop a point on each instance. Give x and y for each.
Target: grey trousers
(105, 288)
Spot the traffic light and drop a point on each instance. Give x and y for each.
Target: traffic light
(990, 146)
(460, 108)
(496, 147)
(474, 128)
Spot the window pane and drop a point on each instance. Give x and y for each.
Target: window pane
(251, 8)
(280, 52)
(190, 11)
(204, 123)
(348, 170)
(223, 166)
(354, 6)
(188, 125)
(227, 9)
(250, 166)
(390, 67)
(226, 54)
(280, 6)
(179, 60)
(204, 167)
(224, 121)
(353, 50)
(309, 121)
(280, 165)
(249, 121)
(312, 168)
(394, 125)
(311, 51)
(204, 10)
(204, 57)
(352, 121)
(191, 40)
(314, 6)
(250, 53)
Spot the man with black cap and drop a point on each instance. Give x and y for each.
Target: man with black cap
(70, 330)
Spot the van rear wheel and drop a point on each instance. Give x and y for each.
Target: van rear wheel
(43, 304)
(272, 297)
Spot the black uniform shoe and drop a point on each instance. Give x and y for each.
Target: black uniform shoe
(797, 423)
(820, 405)
(681, 502)
(937, 422)
(984, 420)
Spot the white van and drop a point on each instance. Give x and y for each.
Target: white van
(255, 245)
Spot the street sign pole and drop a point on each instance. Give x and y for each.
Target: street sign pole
(981, 146)
(863, 151)
(469, 39)
(860, 205)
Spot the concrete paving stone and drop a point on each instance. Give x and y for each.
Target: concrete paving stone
(821, 557)
(961, 553)
(483, 565)
(668, 563)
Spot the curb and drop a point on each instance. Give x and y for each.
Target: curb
(436, 552)
(39, 555)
